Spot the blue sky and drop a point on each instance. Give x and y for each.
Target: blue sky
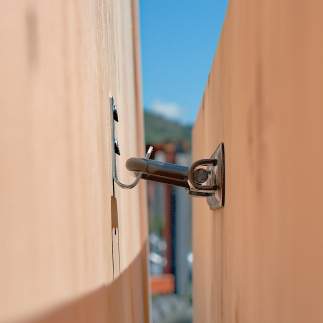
(178, 43)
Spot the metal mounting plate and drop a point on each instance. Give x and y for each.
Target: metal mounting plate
(216, 200)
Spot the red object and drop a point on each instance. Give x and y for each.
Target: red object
(163, 284)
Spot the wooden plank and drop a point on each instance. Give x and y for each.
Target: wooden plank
(60, 61)
(258, 259)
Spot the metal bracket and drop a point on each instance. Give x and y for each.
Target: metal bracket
(217, 177)
(115, 149)
(206, 177)
(213, 177)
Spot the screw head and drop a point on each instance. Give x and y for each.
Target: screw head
(200, 175)
(115, 114)
(116, 148)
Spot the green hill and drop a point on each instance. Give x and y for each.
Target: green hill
(159, 130)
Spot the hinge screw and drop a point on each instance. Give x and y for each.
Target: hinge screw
(115, 114)
(200, 175)
(116, 148)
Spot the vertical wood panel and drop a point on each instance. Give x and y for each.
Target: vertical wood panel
(59, 62)
(259, 259)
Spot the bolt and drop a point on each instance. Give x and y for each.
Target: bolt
(116, 148)
(115, 114)
(200, 175)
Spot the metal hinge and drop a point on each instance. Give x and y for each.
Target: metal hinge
(206, 177)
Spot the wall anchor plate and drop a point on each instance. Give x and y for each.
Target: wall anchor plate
(217, 199)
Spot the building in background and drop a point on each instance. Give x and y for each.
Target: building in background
(169, 210)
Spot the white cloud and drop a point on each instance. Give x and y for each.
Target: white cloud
(170, 110)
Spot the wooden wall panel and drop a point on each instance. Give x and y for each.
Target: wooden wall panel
(59, 62)
(260, 258)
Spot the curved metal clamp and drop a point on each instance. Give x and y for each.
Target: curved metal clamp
(115, 150)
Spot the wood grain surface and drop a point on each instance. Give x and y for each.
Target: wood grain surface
(259, 259)
(59, 63)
